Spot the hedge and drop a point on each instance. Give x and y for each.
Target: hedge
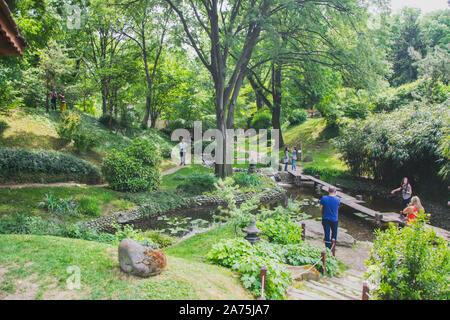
(20, 165)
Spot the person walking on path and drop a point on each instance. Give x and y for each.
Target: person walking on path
(294, 158)
(406, 190)
(286, 159)
(53, 97)
(330, 206)
(183, 146)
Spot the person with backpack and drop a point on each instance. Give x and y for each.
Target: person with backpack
(53, 97)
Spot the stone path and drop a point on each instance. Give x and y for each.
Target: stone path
(347, 286)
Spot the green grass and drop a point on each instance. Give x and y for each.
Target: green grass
(26, 200)
(42, 262)
(196, 247)
(171, 181)
(314, 138)
(35, 129)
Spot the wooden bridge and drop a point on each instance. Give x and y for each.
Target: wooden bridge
(381, 218)
(348, 200)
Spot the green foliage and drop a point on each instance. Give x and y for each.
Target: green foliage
(243, 179)
(281, 230)
(161, 239)
(197, 183)
(3, 127)
(59, 207)
(44, 166)
(261, 120)
(411, 263)
(390, 146)
(297, 117)
(133, 169)
(70, 128)
(89, 207)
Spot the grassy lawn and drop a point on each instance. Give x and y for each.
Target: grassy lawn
(35, 129)
(35, 267)
(171, 181)
(26, 200)
(314, 138)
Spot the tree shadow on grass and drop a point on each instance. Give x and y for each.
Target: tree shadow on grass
(29, 140)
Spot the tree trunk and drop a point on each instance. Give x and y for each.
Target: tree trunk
(276, 105)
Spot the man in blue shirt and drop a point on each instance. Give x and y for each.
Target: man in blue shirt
(329, 206)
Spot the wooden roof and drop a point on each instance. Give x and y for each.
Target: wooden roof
(12, 42)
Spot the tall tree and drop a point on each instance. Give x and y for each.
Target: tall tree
(218, 29)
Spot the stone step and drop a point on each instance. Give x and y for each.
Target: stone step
(344, 287)
(345, 283)
(296, 294)
(339, 291)
(327, 291)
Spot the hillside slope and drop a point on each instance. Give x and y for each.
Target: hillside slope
(36, 267)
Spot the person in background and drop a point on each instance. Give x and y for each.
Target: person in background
(53, 97)
(62, 103)
(406, 189)
(414, 208)
(183, 146)
(330, 206)
(294, 158)
(286, 159)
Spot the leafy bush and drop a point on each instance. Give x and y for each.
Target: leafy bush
(244, 179)
(106, 118)
(89, 207)
(69, 124)
(409, 263)
(390, 146)
(3, 127)
(281, 230)
(297, 116)
(84, 139)
(197, 183)
(133, 169)
(261, 120)
(23, 165)
(161, 239)
(58, 206)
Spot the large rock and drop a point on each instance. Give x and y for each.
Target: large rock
(140, 261)
(308, 159)
(314, 230)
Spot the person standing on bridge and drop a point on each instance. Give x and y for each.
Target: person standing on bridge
(330, 206)
(286, 159)
(406, 189)
(294, 158)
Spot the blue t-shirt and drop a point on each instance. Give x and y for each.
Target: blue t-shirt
(330, 207)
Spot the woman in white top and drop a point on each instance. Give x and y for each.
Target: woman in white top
(182, 146)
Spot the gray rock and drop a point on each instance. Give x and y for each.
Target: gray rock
(308, 159)
(139, 260)
(314, 230)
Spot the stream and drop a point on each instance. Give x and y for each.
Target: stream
(358, 225)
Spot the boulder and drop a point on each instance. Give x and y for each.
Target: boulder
(308, 159)
(140, 261)
(314, 230)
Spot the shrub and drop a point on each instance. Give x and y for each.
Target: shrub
(69, 124)
(281, 230)
(49, 166)
(84, 139)
(409, 263)
(106, 118)
(197, 183)
(244, 179)
(389, 146)
(58, 206)
(89, 207)
(133, 169)
(261, 120)
(3, 127)
(297, 116)
(177, 124)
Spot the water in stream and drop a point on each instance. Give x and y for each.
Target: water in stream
(359, 226)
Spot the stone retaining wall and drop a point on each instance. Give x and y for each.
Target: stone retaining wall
(136, 216)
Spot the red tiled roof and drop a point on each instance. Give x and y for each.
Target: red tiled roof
(11, 40)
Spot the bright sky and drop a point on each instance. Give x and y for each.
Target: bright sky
(425, 5)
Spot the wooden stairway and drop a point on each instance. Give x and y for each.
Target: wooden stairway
(347, 286)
